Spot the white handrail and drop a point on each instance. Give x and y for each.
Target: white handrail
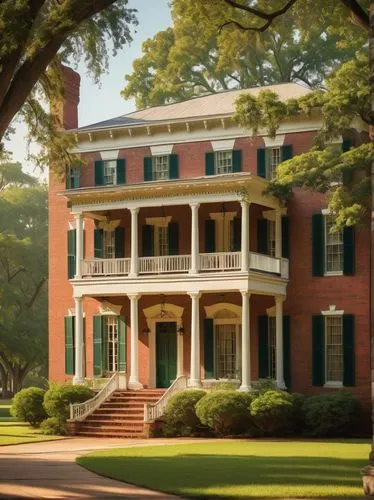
(79, 411)
(105, 267)
(153, 411)
(220, 261)
(265, 263)
(164, 264)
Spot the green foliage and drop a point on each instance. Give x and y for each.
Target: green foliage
(272, 411)
(58, 398)
(180, 417)
(27, 405)
(53, 426)
(225, 412)
(331, 414)
(264, 385)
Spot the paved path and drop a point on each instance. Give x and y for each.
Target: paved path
(48, 470)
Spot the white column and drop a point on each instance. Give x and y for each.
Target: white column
(134, 242)
(134, 362)
(79, 342)
(194, 238)
(195, 380)
(245, 237)
(278, 234)
(79, 245)
(246, 348)
(179, 350)
(279, 341)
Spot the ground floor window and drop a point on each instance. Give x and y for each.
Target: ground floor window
(111, 338)
(334, 348)
(272, 347)
(226, 350)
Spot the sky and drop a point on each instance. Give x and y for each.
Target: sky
(102, 102)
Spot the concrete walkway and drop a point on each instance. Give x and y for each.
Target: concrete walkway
(48, 470)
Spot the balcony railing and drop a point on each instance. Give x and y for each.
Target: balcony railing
(209, 262)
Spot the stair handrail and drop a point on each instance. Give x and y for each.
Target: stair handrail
(79, 411)
(153, 411)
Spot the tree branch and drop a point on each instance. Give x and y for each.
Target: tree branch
(35, 294)
(358, 13)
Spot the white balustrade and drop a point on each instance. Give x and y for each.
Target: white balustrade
(153, 411)
(164, 264)
(265, 263)
(105, 267)
(285, 271)
(220, 261)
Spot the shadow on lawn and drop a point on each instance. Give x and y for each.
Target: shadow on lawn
(185, 473)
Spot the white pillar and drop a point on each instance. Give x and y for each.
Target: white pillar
(79, 342)
(246, 347)
(278, 234)
(79, 245)
(245, 237)
(279, 341)
(195, 380)
(134, 242)
(194, 238)
(134, 362)
(179, 350)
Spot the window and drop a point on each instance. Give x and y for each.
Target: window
(274, 159)
(160, 167)
(271, 238)
(334, 348)
(110, 169)
(109, 245)
(333, 248)
(223, 162)
(163, 241)
(73, 180)
(225, 350)
(111, 336)
(272, 347)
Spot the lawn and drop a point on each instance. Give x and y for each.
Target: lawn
(240, 469)
(14, 432)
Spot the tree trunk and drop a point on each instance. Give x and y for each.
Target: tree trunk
(371, 86)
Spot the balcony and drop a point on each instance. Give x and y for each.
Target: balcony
(181, 264)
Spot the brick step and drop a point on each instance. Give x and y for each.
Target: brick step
(118, 404)
(118, 418)
(120, 409)
(130, 400)
(134, 424)
(112, 429)
(127, 411)
(125, 435)
(133, 395)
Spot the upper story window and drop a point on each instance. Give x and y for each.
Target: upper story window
(274, 159)
(334, 349)
(268, 159)
(73, 178)
(223, 162)
(162, 242)
(333, 247)
(160, 167)
(271, 238)
(110, 172)
(109, 245)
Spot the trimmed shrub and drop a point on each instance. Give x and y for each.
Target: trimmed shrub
(180, 417)
(332, 414)
(225, 412)
(27, 405)
(53, 426)
(272, 411)
(263, 385)
(58, 398)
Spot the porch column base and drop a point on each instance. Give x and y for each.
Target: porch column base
(281, 385)
(245, 388)
(194, 383)
(78, 380)
(135, 385)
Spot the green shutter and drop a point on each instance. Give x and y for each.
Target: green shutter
(287, 351)
(99, 173)
(119, 241)
(209, 164)
(147, 240)
(263, 347)
(348, 350)
(261, 162)
(122, 349)
(69, 345)
(262, 236)
(98, 345)
(148, 175)
(173, 167)
(286, 152)
(318, 245)
(285, 237)
(349, 250)
(237, 160)
(173, 237)
(98, 243)
(318, 350)
(71, 253)
(346, 145)
(236, 234)
(208, 348)
(121, 171)
(210, 236)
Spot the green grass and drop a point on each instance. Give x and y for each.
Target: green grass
(240, 469)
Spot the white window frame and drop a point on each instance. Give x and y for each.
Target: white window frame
(272, 343)
(111, 335)
(237, 324)
(223, 222)
(159, 246)
(327, 272)
(160, 167)
(333, 315)
(109, 244)
(271, 237)
(223, 162)
(272, 153)
(112, 166)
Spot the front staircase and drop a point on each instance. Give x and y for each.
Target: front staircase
(121, 415)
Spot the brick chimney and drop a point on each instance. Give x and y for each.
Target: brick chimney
(66, 110)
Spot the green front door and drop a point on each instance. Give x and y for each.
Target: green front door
(166, 353)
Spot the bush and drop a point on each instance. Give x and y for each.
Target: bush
(27, 405)
(272, 411)
(225, 412)
(331, 414)
(58, 398)
(263, 385)
(180, 415)
(53, 426)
